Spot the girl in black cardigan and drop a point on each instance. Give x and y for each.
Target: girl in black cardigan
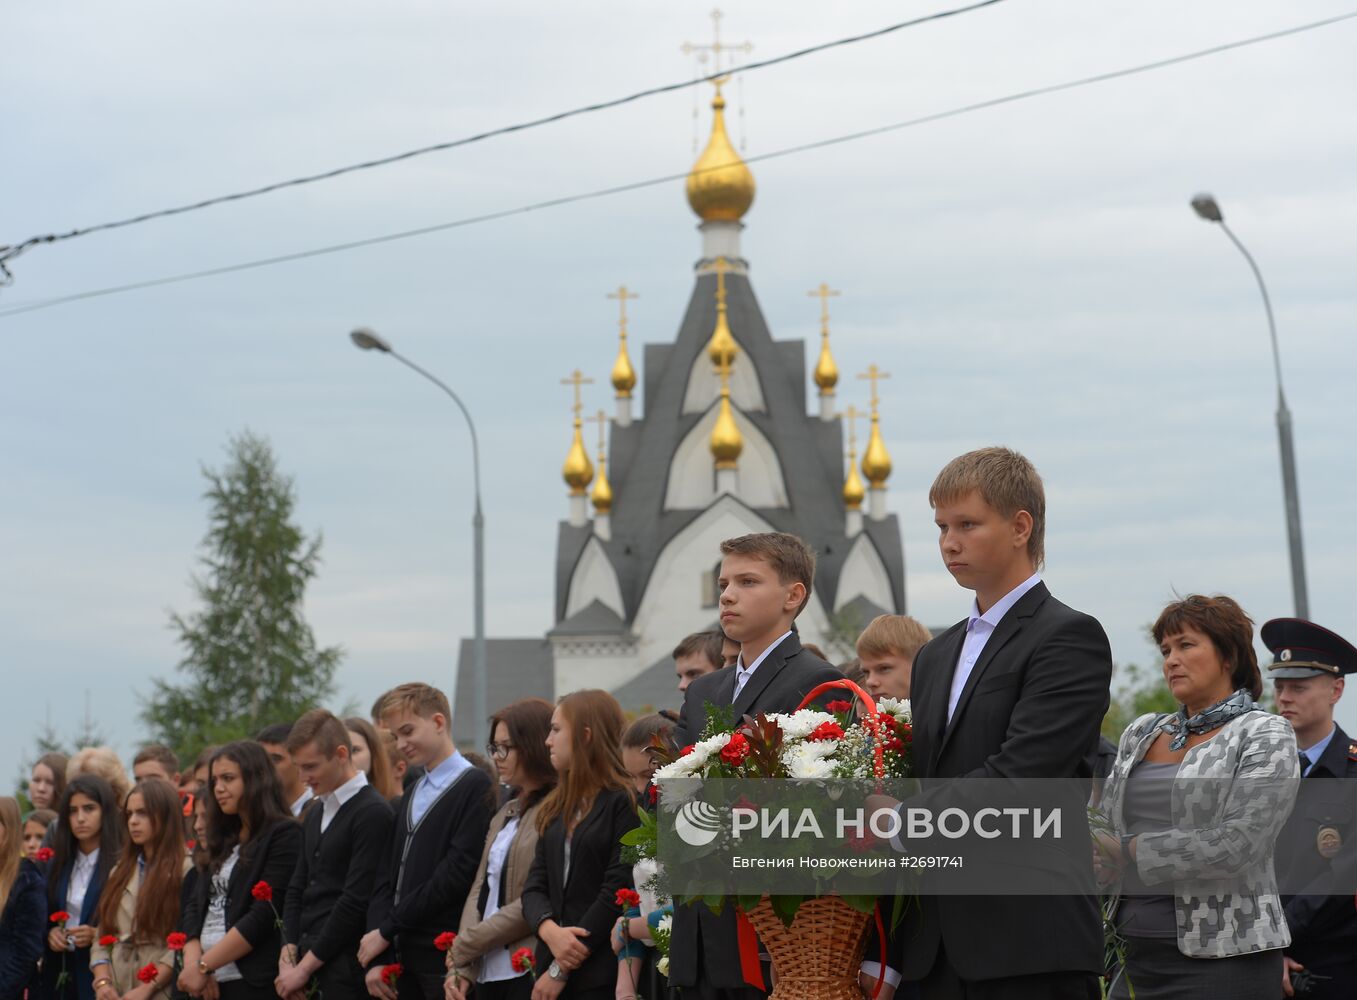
(570, 895)
(253, 844)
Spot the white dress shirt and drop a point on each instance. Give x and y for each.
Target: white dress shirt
(978, 630)
(433, 784)
(498, 965)
(331, 801)
(82, 874)
(743, 673)
(306, 796)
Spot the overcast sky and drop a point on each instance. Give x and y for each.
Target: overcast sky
(1030, 275)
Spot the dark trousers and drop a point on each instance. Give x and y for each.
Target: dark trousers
(241, 990)
(341, 978)
(518, 988)
(422, 975)
(942, 983)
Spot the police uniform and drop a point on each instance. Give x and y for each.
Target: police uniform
(1318, 845)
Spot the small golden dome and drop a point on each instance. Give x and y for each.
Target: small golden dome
(577, 470)
(826, 371)
(602, 494)
(726, 442)
(876, 460)
(722, 349)
(624, 375)
(720, 186)
(852, 485)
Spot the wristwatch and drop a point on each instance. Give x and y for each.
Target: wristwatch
(554, 971)
(202, 968)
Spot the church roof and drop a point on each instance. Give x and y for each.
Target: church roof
(810, 451)
(654, 688)
(514, 668)
(596, 618)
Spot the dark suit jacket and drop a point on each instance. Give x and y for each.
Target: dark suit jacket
(1031, 708)
(80, 984)
(1322, 920)
(23, 925)
(587, 898)
(270, 856)
(702, 941)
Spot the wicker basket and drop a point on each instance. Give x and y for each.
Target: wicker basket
(818, 956)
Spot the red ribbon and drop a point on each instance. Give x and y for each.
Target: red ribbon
(751, 969)
(881, 941)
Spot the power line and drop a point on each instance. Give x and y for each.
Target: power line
(668, 178)
(8, 253)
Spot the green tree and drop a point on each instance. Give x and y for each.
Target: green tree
(1141, 690)
(250, 657)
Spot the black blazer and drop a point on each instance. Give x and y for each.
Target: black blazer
(331, 887)
(588, 898)
(432, 874)
(1031, 708)
(23, 925)
(702, 941)
(80, 982)
(270, 856)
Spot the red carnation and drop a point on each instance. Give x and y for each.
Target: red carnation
(60, 917)
(653, 794)
(148, 972)
(262, 891)
(44, 854)
(894, 744)
(444, 941)
(390, 973)
(523, 960)
(839, 706)
(176, 941)
(688, 749)
(826, 731)
(861, 845)
(191, 844)
(735, 750)
(627, 897)
(108, 941)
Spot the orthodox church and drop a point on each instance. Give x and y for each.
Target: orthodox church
(724, 445)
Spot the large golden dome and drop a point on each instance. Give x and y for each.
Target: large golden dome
(720, 185)
(726, 441)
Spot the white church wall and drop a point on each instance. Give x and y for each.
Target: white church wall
(594, 579)
(704, 385)
(864, 574)
(582, 662)
(692, 480)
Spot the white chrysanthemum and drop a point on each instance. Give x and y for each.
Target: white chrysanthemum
(897, 707)
(691, 763)
(799, 725)
(808, 767)
(665, 924)
(662, 966)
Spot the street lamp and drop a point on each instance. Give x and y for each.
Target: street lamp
(366, 340)
(1206, 207)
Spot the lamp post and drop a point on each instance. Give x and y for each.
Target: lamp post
(366, 340)
(1206, 207)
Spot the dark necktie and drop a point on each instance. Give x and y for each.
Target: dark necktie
(1304, 763)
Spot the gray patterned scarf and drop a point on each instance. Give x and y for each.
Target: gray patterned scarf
(1180, 726)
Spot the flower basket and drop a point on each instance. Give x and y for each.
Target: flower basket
(818, 956)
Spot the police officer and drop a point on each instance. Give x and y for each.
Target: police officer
(1318, 846)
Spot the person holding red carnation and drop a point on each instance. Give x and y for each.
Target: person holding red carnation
(571, 893)
(252, 840)
(139, 907)
(22, 908)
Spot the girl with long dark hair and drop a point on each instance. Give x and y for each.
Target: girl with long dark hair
(581, 824)
(252, 846)
(86, 839)
(21, 916)
(493, 927)
(140, 903)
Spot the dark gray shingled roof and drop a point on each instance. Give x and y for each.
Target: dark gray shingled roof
(515, 668)
(596, 618)
(654, 688)
(810, 450)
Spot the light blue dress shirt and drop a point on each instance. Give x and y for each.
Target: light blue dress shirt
(433, 784)
(978, 630)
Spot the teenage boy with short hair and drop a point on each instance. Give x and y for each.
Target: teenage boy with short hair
(433, 851)
(156, 761)
(1016, 690)
(697, 654)
(886, 650)
(765, 582)
(274, 741)
(344, 836)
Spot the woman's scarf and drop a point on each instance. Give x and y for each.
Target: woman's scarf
(1180, 726)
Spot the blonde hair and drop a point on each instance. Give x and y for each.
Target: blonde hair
(102, 762)
(12, 851)
(1006, 481)
(886, 634)
(423, 700)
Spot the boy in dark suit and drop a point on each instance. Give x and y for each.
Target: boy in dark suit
(343, 838)
(433, 852)
(765, 582)
(1016, 690)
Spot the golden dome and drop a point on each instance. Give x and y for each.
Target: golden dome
(577, 470)
(826, 371)
(624, 375)
(852, 485)
(602, 494)
(726, 442)
(720, 186)
(722, 349)
(876, 460)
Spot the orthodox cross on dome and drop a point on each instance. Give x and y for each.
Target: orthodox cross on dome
(577, 379)
(623, 374)
(852, 414)
(715, 47)
(873, 374)
(826, 371)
